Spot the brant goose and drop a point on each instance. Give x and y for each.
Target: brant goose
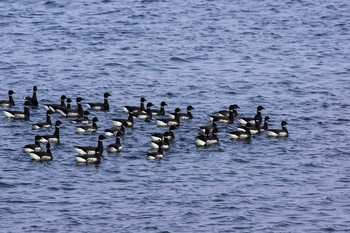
(18, 114)
(101, 106)
(46, 124)
(10, 102)
(278, 132)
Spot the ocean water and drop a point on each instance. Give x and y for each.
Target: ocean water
(292, 57)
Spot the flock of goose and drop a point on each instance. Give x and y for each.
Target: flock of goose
(159, 141)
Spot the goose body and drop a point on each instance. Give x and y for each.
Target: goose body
(33, 101)
(88, 128)
(94, 158)
(117, 146)
(226, 113)
(52, 138)
(251, 120)
(160, 111)
(129, 109)
(246, 134)
(170, 121)
(10, 102)
(203, 128)
(53, 107)
(46, 124)
(184, 115)
(225, 119)
(278, 132)
(18, 114)
(147, 114)
(33, 147)
(68, 112)
(156, 155)
(84, 119)
(254, 129)
(164, 142)
(101, 106)
(119, 121)
(169, 134)
(91, 150)
(42, 155)
(114, 130)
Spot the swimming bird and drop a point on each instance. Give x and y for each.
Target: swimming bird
(101, 106)
(10, 102)
(73, 112)
(153, 155)
(158, 136)
(46, 124)
(207, 139)
(184, 115)
(201, 140)
(225, 119)
(94, 158)
(147, 114)
(128, 109)
(91, 150)
(42, 155)
(84, 119)
(170, 121)
(53, 107)
(208, 127)
(278, 132)
(227, 112)
(245, 120)
(52, 138)
(161, 110)
(114, 130)
(119, 121)
(266, 123)
(33, 100)
(18, 114)
(117, 146)
(254, 129)
(237, 134)
(88, 128)
(164, 142)
(33, 147)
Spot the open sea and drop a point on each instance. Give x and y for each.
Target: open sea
(292, 57)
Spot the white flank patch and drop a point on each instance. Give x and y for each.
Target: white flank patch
(35, 127)
(111, 149)
(91, 160)
(79, 151)
(242, 122)
(271, 134)
(8, 114)
(80, 159)
(161, 123)
(200, 142)
(125, 110)
(116, 123)
(34, 156)
(80, 130)
(28, 150)
(154, 145)
(155, 139)
(108, 134)
(232, 135)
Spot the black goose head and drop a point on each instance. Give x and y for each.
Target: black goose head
(63, 97)
(149, 104)
(267, 118)
(101, 137)
(106, 95)
(284, 123)
(142, 100)
(86, 113)
(259, 108)
(79, 99)
(163, 103)
(35, 88)
(58, 123)
(95, 119)
(190, 107)
(11, 92)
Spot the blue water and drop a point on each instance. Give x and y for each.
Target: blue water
(292, 57)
